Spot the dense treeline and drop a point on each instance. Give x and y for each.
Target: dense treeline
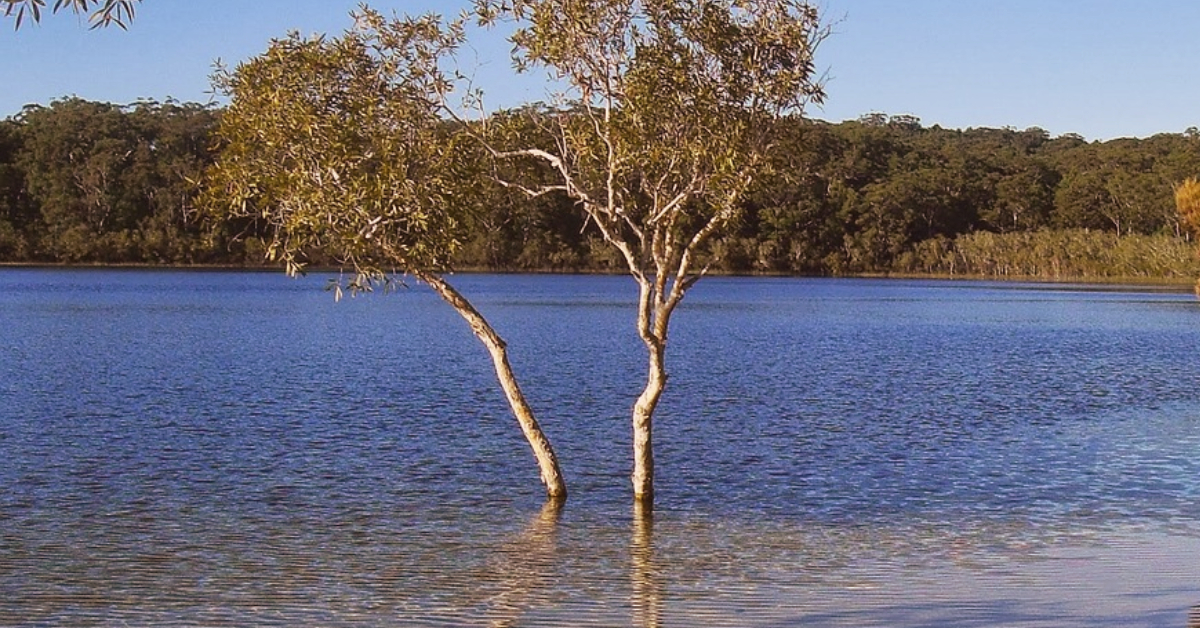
(886, 194)
(87, 182)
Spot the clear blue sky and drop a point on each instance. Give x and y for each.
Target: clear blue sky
(1099, 68)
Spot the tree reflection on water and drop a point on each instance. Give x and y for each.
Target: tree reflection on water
(527, 566)
(529, 573)
(645, 572)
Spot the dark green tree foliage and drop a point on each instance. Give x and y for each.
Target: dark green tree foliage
(92, 182)
(16, 212)
(1124, 186)
(109, 183)
(884, 194)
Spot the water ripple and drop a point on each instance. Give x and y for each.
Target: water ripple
(227, 450)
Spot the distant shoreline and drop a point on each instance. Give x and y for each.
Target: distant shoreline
(1170, 284)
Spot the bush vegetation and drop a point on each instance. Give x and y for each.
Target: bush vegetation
(84, 182)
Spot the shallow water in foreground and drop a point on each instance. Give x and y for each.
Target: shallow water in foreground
(228, 449)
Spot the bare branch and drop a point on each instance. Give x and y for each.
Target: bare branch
(530, 192)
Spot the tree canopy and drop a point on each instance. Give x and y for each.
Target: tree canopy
(87, 182)
(667, 118)
(339, 146)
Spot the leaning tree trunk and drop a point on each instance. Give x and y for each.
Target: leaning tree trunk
(556, 487)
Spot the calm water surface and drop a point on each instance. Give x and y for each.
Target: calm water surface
(225, 449)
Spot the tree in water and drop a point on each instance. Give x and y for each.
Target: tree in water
(665, 121)
(340, 146)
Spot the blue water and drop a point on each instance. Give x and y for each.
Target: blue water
(238, 449)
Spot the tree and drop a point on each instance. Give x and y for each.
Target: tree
(338, 145)
(667, 119)
(1187, 203)
(16, 211)
(77, 158)
(110, 183)
(1024, 198)
(170, 160)
(102, 12)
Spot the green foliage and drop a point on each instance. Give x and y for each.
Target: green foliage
(104, 183)
(667, 120)
(337, 147)
(16, 212)
(865, 195)
(668, 114)
(510, 231)
(99, 12)
(834, 199)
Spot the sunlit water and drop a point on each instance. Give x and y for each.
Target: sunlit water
(222, 449)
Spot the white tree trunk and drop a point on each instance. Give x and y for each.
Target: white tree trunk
(653, 318)
(551, 474)
(643, 428)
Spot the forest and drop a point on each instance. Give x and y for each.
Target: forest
(85, 182)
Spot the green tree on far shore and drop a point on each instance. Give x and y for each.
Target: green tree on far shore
(1187, 203)
(103, 183)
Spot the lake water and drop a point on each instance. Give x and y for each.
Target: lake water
(237, 449)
